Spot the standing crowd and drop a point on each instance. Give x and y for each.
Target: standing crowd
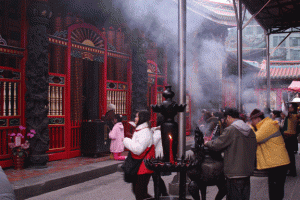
(257, 143)
(249, 143)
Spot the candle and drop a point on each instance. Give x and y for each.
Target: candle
(171, 150)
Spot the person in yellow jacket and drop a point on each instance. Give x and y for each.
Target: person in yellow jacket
(271, 153)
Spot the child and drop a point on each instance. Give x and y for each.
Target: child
(117, 135)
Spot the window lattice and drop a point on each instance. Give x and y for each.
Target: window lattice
(55, 97)
(117, 98)
(9, 98)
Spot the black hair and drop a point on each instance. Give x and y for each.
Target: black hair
(118, 117)
(160, 119)
(219, 115)
(144, 116)
(276, 113)
(207, 115)
(294, 106)
(257, 113)
(232, 112)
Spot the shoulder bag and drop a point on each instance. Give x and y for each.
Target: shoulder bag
(131, 167)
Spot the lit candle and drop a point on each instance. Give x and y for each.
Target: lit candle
(171, 150)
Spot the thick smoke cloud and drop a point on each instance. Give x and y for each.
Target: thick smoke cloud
(158, 19)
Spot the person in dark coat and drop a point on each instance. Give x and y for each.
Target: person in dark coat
(110, 116)
(239, 145)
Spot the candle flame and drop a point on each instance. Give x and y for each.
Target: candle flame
(170, 137)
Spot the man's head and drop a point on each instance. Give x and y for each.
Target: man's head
(275, 114)
(231, 114)
(256, 116)
(292, 107)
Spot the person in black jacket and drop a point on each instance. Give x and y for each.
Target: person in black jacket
(110, 115)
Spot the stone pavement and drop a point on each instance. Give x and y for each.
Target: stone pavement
(259, 186)
(31, 182)
(59, 174)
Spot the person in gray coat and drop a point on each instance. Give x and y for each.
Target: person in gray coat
(6, 189)
(238, 142)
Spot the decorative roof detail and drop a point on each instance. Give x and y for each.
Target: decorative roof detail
(221, 13)
(281, 70)
(152, 67)
(62, 34)
(88, 37)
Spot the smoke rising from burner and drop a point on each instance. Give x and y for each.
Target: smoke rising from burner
(158, 19)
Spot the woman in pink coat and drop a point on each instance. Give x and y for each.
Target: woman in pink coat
(117, 135)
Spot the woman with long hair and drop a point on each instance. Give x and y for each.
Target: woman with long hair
(141, 146)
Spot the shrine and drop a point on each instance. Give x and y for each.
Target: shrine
(59, 69)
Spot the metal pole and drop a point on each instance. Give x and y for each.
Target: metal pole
(268, 70)
(182, 90)
(240, 55)
(182, 75)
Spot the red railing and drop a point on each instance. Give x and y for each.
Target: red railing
(56, 115)
(57, 138)
(5, 151)
(75, 135)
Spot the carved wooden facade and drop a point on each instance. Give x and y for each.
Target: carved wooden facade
(76, 50)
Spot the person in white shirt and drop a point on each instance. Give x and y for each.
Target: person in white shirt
(159, 152)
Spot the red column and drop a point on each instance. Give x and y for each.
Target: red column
(24, 30)
(111, 36)
(120, 71)
(102, 85)
(105, 75)
(68, 21)
(111, 62)
(68, 96)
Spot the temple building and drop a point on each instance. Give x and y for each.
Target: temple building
(60, 68)
(282, 74)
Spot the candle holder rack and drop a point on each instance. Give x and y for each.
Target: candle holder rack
(159, 165)
(169, 127)
(169, 135)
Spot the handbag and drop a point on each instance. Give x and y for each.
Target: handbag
(131, 167)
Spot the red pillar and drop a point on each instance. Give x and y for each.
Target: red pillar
(111, 62)
(24, 30)
(68, 21)
(120, 71)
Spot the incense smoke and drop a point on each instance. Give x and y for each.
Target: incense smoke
(158, 19)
